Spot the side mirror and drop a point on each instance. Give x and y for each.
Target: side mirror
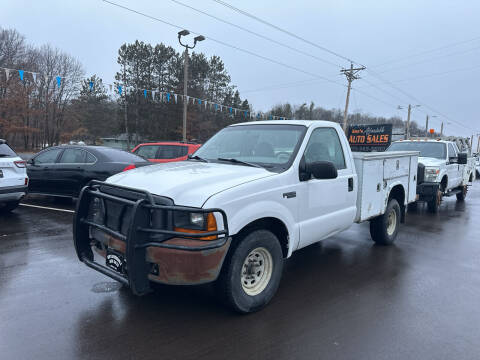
(462, 158)
(319, 170)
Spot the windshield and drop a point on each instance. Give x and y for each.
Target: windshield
(427, 148)
(270, 146)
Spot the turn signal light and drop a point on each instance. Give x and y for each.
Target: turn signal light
(129, 167)
(211, 226)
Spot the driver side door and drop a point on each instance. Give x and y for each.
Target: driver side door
(326, 206)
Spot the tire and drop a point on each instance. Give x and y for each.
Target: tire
(243, 292)
(461, 196)
(384, 228)
(434, 204)
(9, 206)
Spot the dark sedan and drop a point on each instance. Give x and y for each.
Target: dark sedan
(64, 170)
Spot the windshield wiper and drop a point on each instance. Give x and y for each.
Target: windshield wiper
(196, 157)
(236, 161)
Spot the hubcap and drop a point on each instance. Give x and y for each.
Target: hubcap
(392, 222)
(256, 271)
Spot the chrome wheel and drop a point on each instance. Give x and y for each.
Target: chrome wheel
(392, 222)
(256, 271)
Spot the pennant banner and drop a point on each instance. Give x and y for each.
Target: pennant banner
(59, 81)
(20, 72)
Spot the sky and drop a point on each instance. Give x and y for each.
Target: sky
(422, 52)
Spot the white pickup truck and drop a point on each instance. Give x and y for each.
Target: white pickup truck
(245, 201)
(442, 169)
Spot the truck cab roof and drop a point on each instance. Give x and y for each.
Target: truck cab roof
(306, 123)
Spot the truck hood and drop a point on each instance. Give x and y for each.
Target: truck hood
(188, 183)
(427, 161)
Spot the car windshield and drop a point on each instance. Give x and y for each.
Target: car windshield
(270, 146)
(427, 148)
(6, 151)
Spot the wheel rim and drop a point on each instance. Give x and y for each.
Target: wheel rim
(256, 271)
(392, 222)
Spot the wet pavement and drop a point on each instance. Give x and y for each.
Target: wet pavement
(342, 299)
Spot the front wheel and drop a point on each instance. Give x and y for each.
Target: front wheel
(384, 228)
(251, 273)
(434, 203)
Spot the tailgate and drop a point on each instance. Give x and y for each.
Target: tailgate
(10, 174)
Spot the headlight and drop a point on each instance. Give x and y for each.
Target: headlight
(195, 223)
(431, 174)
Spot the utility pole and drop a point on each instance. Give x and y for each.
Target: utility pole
(410, 107)
(350, 74)
(426, 127)
(441, 130)
(185, 76)
(125, 106)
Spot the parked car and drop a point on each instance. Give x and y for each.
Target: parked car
(442, 170)
(246, 200)
(162, 152)
(13, 178)
(64, 170)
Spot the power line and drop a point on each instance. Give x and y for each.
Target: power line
(223, 3)
(399, 59)
(431, 75)
(430, 59)
(225, 44)
(256, 34)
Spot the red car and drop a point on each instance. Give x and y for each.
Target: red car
(168, 151)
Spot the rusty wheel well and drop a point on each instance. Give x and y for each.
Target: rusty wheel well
(398, 193)
(275, 225)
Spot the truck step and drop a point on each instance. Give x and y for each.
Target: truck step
(453, 192)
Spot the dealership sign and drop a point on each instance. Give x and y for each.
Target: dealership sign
(366, 138)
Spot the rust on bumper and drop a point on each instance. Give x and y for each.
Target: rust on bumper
(179, 267)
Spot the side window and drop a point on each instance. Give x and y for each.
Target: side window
(47, 157)
(147, 151)
(72, 156)
(451, 151)
(90, 158)
(324, 145)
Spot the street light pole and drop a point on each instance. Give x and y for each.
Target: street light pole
(185, 76)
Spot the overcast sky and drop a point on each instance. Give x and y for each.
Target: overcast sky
(386, 36)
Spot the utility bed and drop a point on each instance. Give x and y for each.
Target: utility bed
(378, 173)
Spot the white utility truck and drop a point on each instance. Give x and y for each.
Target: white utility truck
(13, 178)
(245, 201)
(442, 169)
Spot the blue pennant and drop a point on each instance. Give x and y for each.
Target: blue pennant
(91, 85)
(59, 81)
(168, 97)
(20, 72)
(145, 94)
(245, 113)
(216, 107)
(119, 87)
(230, 109)
(199, 102)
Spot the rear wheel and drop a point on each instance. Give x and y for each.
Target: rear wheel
(9, 206)
(384, 228)
(463, 194)
(252, 271)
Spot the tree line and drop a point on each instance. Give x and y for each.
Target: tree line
(35, 112)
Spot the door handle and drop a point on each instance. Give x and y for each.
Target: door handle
(350, 184)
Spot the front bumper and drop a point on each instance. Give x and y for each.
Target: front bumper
(150, 254)
(427, 191)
